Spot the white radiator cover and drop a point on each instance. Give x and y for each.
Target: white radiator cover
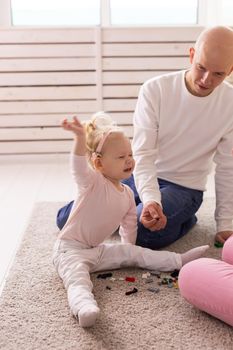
(47, 74)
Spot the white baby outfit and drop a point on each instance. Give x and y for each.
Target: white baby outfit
(99, 209)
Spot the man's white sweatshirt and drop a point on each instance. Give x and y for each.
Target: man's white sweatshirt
(177, 136)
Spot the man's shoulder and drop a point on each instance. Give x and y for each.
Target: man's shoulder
(163, 78)
(228, 86)
(226, 93)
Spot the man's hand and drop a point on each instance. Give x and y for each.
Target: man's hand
(223, 236)
(152, 217)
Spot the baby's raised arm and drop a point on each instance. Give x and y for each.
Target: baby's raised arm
(79, 135)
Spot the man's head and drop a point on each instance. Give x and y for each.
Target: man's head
(211, 60)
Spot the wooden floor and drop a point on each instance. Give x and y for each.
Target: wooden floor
(25, 180)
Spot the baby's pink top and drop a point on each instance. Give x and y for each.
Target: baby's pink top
(99, 208)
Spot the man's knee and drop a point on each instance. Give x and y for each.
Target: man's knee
(155, 239)
(180, 206)
(162, 238)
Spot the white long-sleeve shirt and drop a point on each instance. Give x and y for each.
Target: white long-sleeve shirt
(177, 136)
(99, 209)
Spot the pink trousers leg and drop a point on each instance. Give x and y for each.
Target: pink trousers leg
(208, 284)
(227, 252)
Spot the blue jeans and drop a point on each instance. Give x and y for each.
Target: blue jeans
(179, 205)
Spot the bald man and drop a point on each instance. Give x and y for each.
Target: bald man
(183, 121)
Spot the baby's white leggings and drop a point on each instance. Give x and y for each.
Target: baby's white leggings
(74, 262)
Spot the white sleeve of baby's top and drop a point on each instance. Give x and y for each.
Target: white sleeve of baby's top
(81, 171)
(145, 139)
(128, 225)
(224, 183)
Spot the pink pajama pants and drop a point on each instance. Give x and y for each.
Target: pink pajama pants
(208, 284)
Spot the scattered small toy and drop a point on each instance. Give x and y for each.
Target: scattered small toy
(175, 273)
(145, 275)
(149, 280)
(153, 289)
(218, 244)
(130, 279)
(156, 273)
(169, 281)
(104, 275)
(134, 290)
(166, 280)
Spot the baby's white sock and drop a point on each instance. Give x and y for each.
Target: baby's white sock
(193, 254)
(87, 315)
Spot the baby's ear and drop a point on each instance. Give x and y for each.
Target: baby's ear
(96, 161)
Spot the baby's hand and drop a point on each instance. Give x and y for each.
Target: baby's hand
(75, 126)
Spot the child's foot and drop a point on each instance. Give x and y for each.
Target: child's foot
(193, 254)
(88, 315)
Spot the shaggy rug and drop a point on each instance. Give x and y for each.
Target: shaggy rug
(34, 313)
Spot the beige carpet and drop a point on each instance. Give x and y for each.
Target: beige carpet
(34, 312)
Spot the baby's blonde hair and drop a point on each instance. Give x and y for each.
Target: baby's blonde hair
(95, 128)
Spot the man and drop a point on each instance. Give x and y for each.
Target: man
(182, 122)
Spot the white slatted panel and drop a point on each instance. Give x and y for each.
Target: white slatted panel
(47, 74)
